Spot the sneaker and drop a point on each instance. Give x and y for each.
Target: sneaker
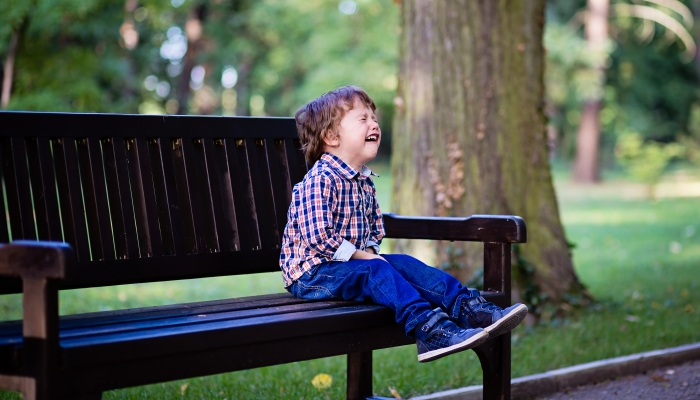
(440, 337)
(476, 312)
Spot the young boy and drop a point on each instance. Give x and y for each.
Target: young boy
(330, 248)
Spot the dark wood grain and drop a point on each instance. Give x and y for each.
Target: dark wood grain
(242, 188)
(262, 193)
(118, 211)
(72, 209)
(43, 182)
(164, 154)
(201, 194)
(91, 198)
(19, 200)
(279, 183)
(477, 228)
(226, 221)
(184, 197)
(115, 149)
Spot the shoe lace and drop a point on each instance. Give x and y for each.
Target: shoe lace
(488, 306)
(448, 327)
(482, 305)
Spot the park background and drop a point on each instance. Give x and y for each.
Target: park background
(632, 226)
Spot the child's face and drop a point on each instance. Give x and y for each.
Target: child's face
(356, 140)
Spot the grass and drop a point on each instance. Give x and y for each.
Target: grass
(639, 258)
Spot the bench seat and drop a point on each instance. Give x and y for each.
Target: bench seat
(117, 349)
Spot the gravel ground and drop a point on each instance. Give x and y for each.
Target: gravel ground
(672, 383)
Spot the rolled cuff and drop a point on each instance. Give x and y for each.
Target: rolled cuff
(374, 245)
(344, 252)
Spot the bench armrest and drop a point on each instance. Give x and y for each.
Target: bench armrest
(40, 265)
(36, 260)
(476, 228)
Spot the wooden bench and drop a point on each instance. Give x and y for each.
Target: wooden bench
(157, 198)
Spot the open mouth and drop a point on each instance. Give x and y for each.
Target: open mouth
(372, 138)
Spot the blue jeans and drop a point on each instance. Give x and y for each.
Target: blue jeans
(409, 287)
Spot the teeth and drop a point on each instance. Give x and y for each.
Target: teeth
(372, 138)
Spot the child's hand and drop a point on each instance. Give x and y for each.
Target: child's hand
(365, 255)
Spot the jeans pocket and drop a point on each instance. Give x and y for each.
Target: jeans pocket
(312, 291)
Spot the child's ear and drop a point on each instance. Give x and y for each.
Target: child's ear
(330, 138)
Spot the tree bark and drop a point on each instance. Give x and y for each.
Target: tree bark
(586, 169)
(469, 134)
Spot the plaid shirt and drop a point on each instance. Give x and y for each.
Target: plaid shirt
(334, 211)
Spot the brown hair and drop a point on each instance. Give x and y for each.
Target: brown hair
(322, 115)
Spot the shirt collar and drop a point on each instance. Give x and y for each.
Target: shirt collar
(344, 169)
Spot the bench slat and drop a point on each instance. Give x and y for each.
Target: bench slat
(145, 210)
(224, 205)
(29, 123)
(201, 195)
(4, 223)
(127, 201)
(242, 188)
(120, 192)
(159, 312)
(41, 172)
(184, 197)
(11, 331)
(163, 200)
(280, 185)
(302, 320)
(72, 211)
(262, 193)
(169, 202)
(19, 199)
(295, 161)
(79, 336)
(95, 195)
(221, 221)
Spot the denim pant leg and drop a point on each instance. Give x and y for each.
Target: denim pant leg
(365, 280)
(434, 285)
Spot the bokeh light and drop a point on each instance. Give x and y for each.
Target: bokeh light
(229, 77)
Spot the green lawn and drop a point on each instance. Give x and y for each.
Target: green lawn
(639, 258)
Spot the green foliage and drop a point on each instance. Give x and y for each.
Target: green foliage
(645, 162)
(647, 87)
(572, 68)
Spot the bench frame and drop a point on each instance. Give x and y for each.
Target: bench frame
(39, 264)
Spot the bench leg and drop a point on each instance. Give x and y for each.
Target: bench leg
(494, 356)
(359, 375)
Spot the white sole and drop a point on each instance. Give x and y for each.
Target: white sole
(508, 322)
(472, 342)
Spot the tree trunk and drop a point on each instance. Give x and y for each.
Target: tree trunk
(193, 29)
(586, 168)
(8, 69)
(469, 135)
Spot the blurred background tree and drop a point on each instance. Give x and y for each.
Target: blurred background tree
(267, 57)
(640, 79)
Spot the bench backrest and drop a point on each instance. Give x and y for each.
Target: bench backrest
(149, 198)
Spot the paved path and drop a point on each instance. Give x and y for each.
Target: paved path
(671, 383)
